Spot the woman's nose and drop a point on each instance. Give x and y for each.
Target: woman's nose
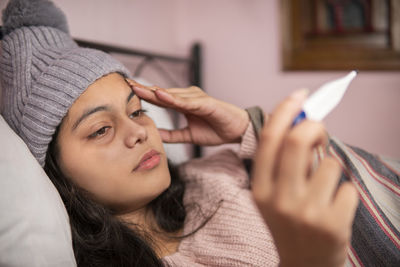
(135, 133)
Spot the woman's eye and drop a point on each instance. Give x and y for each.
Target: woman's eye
(99, 132)
(137, 113)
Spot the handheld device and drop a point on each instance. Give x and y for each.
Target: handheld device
(325, 99)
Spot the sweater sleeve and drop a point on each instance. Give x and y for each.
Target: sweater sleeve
(249, 142)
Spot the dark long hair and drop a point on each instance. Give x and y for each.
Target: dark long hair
(99, 238)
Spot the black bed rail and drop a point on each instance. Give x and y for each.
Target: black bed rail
(129, 51)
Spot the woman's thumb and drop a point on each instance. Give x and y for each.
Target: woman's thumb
(175, 136)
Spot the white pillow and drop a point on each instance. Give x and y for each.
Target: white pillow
(34, 225)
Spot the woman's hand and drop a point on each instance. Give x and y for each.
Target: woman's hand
(309, 217)
(209, 121)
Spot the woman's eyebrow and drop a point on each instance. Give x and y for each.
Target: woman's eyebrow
(87, 114)
(132, 94)
(97, 109)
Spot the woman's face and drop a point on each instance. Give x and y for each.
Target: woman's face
(111, 149)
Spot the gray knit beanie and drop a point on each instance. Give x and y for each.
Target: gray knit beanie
(43, 71)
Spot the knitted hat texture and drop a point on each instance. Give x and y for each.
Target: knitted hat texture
(43, 71)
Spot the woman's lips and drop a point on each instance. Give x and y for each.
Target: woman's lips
(149, 161)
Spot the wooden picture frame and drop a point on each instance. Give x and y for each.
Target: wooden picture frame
(306, 45)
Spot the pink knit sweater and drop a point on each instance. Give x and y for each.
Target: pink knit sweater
(217, 187)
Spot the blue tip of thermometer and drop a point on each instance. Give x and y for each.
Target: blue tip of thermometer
(325, 99)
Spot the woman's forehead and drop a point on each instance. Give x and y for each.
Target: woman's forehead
(111, 90)
(107, 89)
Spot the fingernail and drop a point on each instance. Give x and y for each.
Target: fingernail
(128, 81)
(153, 88)
(300, 94)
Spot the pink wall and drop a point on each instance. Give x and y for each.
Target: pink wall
(241, 41)
(145, 24)
(242, 66)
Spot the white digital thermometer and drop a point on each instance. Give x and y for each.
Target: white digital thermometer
(325, 99)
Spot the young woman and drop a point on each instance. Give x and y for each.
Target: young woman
(107, 149)
(83, 121)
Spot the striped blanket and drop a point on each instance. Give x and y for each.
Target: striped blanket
(376, 227)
